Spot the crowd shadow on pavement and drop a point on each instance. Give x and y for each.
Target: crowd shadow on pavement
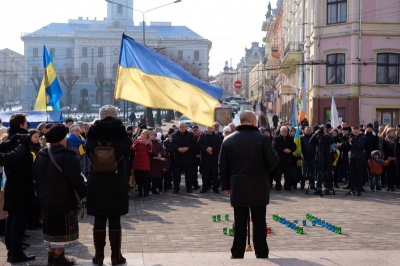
(292, 261)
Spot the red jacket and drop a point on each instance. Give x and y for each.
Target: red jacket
(376, 168)
(142, 158)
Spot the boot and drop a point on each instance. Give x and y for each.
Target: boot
(50, 257)
(62, 260)
(99, 239)
(115, 237)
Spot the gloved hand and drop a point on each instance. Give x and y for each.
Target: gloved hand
(26, 141)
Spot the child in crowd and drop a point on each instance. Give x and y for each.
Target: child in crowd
(375, 166)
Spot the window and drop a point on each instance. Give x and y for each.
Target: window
(84, 52)
(84, 71)
(100, 70)
(387, 71)
(52, 52)
(100, 52)
(180, 55)
(196, 55)
(35, 52)
(69, 53)
(335, 67)
(119, 9)
(336, 11)
(341, 114)
(35, 72)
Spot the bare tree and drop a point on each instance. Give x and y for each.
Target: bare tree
(100, 84)
(69, 82)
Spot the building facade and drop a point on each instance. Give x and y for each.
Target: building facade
(86, 53)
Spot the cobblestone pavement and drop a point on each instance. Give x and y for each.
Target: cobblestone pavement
(182, 224)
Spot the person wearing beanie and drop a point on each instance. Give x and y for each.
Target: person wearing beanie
(375, 165)
(68, 122)
(76, 143)
(108, 111)
(57, 175)
(107, 197)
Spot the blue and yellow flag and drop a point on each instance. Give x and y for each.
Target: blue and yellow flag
(297, 140)
(50, 91)
(152, 80)
(336, 154)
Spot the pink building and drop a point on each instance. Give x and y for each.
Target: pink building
(356, 58)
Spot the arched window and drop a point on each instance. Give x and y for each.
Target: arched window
(84, 70)
(100, 70)
(114, 70)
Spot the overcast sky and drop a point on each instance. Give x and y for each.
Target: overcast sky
(231, 25)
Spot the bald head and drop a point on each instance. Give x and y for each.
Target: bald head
(248, 117)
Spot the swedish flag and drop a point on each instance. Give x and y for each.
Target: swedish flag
(50, 91)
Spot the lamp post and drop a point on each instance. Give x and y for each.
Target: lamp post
(149, 110)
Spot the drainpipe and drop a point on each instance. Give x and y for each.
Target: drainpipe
(359, 62)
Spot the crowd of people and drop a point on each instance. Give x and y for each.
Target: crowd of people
(50, 171)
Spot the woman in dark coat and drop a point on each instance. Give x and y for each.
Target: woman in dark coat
(57, 174)
(156, 163)
(389, 148)
(142, 147)
(107, 193)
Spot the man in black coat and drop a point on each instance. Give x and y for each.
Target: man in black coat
(357, 150)
(246, 157)
(321, 143)
(371, 140)
(183, 144)
(210, 144)
(18, 195)
(308, 158)
(284, 146)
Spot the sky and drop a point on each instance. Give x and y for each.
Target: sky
(231, 25)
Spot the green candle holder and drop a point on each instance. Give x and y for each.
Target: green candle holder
(214, 218)
(225, 230)
(227, 217)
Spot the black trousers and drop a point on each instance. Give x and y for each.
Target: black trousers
(259, 231)
(288, 171)
(143, 181)
(15, 231)
(100, 222)
(188, 170)
(356, 170)
(209, 175)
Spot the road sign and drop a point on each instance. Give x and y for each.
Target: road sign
(237, 84)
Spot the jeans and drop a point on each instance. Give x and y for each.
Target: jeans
(374, 181)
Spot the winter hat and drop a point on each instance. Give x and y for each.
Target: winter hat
(152, 133)
(81, 123)
(73, 127)
(56, 133)
(370, 125)
(376, 152)
(108, 111)
(227, 129)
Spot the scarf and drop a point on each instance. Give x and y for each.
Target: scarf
(143, 140)
(77, 141)
(390, 139)
(377, 160)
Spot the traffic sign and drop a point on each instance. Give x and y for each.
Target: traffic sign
(237, 84)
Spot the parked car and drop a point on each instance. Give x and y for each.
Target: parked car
(235, 106)
(187, 121)
(66, 108)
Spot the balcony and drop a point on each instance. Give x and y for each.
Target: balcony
(291, 57)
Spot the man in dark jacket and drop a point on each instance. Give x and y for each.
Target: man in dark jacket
(182, 144)
(308, 158)
(357, 150)
(371, 140)
(246, 157)
(18, 195)
(321, 143)
(210, 144)
(284, 146)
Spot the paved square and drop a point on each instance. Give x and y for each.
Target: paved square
(175, 229)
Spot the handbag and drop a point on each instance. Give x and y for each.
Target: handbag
(81, 202)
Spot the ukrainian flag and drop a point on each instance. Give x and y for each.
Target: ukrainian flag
(152, 80)
(297, 140)
(50, 91)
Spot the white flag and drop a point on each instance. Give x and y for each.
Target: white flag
(334, 114)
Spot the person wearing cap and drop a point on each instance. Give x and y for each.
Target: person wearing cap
(107, 193)
(57, 174)
(210, 145)
(76, 143)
